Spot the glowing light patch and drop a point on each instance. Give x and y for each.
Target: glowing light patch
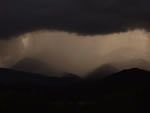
(25, 40)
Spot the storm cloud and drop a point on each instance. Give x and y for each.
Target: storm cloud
(82, 54)
(86, 17)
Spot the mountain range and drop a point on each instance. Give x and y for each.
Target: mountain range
(125, 91)
(35, 66)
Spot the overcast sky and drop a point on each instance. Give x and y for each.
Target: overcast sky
(74, 35)
(73, 53)
(80, 16)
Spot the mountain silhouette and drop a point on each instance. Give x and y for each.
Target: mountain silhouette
(103, 71)
(122, 92)
(35, 66)
(70, 76)
(11, 77)
(135, 63)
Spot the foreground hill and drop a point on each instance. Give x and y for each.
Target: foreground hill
(126, 91)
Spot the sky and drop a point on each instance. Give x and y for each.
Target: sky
(78, 54)
(74, 36)
(86, 17)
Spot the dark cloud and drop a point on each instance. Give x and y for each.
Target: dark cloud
(80, 16)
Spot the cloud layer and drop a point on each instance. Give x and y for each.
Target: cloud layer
(81, 54)
(76, 54)
(80, 16)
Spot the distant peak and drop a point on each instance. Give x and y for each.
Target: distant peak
(134, 69)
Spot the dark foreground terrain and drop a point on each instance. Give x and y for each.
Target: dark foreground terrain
(124, 92)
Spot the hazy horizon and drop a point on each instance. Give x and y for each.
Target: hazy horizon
(78, 54)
